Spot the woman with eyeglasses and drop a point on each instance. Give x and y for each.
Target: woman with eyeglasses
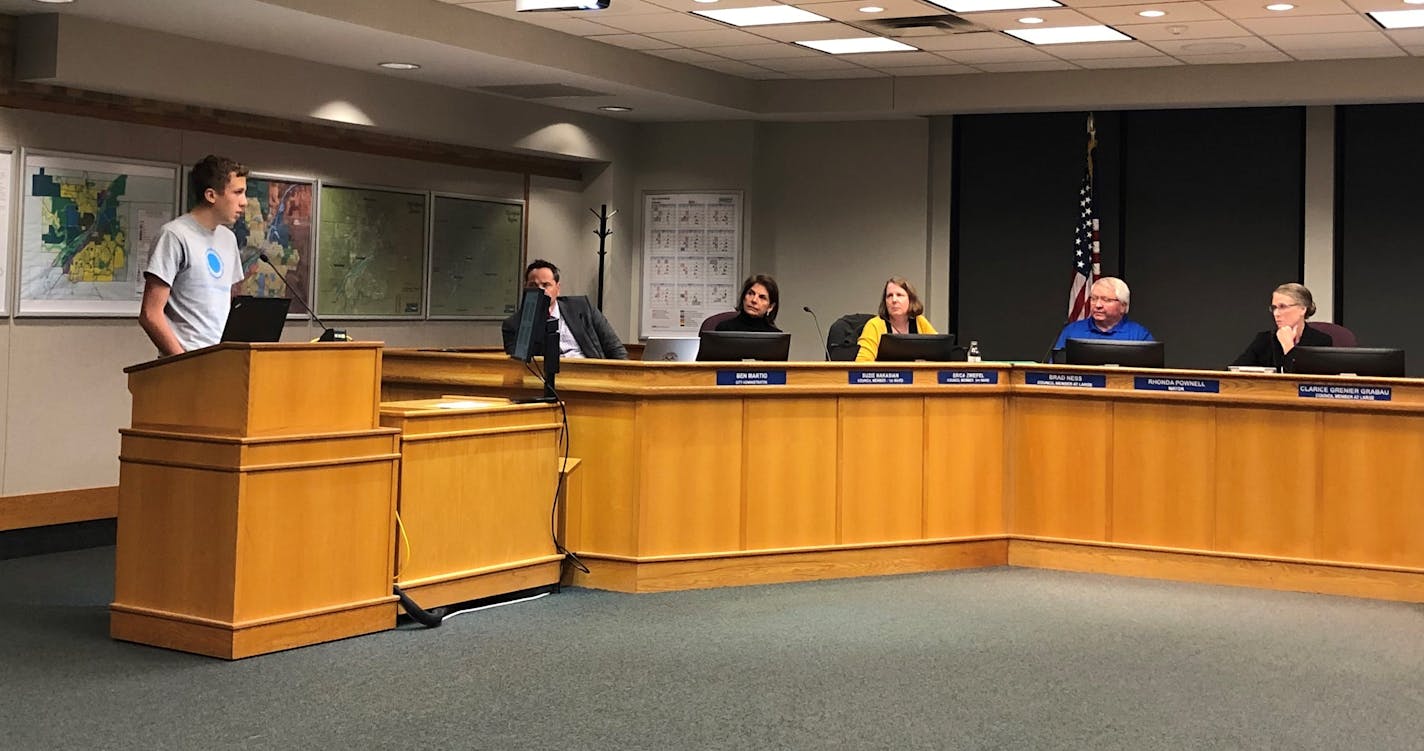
(1291, 305)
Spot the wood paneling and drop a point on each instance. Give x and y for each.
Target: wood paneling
(690, 476)
(1164, 475)
(1267, 482)
(963, 467)
(1372, 494)
(790, 459)
(1060, 460)
(881, 473)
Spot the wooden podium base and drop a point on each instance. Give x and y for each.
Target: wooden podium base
(236, 641)
(465, 586)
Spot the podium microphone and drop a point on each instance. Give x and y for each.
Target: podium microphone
(327, 335)
(824, 349)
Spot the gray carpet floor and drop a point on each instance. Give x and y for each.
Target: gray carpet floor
(988, 659)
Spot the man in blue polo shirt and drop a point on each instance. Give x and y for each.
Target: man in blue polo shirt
(1107, 318)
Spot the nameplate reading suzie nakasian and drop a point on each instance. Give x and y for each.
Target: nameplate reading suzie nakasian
(1346, 393)
(751, 378)
(880, 377)
(1070, 380)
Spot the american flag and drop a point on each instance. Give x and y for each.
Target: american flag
(1087, 266)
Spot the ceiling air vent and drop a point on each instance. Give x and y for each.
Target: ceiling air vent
(540, 91)
(937, 25)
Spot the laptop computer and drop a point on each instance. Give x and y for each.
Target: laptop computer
(671, 349)
(256, 319)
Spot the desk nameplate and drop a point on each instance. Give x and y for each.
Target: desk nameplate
(751, 377)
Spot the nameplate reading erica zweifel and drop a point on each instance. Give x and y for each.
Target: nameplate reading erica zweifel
(751, 378)
(1348, 393)
(1181, 385)
(1072, 380)
(881, 377)
(970, 377)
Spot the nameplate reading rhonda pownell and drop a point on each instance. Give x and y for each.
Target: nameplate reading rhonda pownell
(881, 377)
(1348, 393)
(1071, 380)
(751, 378)
(969, 377)
(1180, 385)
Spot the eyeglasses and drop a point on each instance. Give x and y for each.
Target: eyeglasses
(1104, 300)
(1279, 308)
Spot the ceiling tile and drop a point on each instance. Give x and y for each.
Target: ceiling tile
(849, 10)
(835, 74)
(1232, 58)
(1099, 50)
(1348, 53)
(573, 26)
(1295, 44)
(984, 40)
(1415, 49)
(685, 55)
(1113, 15)
(1130, 62)
(801, 32)
(767, 51)
(1026, 67)
(1257, 8)
(648, 23)
(621, 8)
(895, 59)
(1407, 37)
(1193, 30)
(1051, 17)
(932, 70)
(1233, 45)
(707, 38)
(1306, 25)
(732, 67)
(687, 6)
(770, 75)
(1365, 6)
(975, 57)
(632, 41)
(798, 64)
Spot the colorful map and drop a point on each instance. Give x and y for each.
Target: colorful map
(476, 252)
(372, 253)
(88, 227)
(278, 222)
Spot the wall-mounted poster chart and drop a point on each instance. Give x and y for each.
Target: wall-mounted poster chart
(371, 253)
(7, 159)
(476, 257)
(87, 227)
(692, 250)
(278, 223)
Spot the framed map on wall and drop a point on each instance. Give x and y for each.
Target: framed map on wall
(278, 223)
(476, 256)
(370, 253)
(87, 227)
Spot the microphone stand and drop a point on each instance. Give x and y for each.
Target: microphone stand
(824, 349)
(328, 334)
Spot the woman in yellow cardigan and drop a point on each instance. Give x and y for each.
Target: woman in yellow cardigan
(901, 312)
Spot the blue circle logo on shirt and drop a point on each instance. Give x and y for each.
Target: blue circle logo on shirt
(215, 265)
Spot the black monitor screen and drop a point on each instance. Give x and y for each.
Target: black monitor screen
(533, 313)
(731, 346)
(911, 347)
(1109, 352)
(256, 319)
(1362, 361)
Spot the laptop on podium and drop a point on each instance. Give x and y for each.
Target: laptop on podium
(256, 319)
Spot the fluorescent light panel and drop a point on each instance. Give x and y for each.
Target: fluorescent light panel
(1070, 35)
(853, 46)
(976, 6)
(762, 15)
(1399, 19)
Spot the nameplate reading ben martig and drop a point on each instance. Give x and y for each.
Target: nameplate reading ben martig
(751, 378)
(1348, 393)
(881, 377)
(971, 377)
(1072, 380)
(1182, 385)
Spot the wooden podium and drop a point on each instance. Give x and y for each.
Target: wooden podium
(256, 500)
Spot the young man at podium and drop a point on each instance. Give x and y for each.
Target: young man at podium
(188, 281)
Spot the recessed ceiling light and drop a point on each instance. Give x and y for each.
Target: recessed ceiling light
(853, 46)
(1070, 35)
(1414, 2)
(762, 15)
(1399, 19)
(704, 1)
(616, 107)
(54, 2)
(878, 9)
(1152, 13)
(1280, 7)
(1031, 19)
(975, 6)
(400, 66)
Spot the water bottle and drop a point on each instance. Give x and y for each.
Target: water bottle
(974, 352)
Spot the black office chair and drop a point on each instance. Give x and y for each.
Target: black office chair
(842, 341)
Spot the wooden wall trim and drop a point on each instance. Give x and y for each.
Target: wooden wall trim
(60, 507)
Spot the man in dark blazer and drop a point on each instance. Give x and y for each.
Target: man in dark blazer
(583, 331)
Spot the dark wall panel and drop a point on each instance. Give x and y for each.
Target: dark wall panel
(1380, 227)
(1016, 210)
(1212, 222)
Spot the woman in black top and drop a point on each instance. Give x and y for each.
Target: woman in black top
(756, 310)
(1291, 305)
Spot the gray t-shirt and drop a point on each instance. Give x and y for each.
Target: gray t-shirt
(199, 268)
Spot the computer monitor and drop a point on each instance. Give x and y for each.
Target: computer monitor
(911, 347)
(1109, 352)
(533, 313)
(256, 319)
(1363, 361)
(731, 346)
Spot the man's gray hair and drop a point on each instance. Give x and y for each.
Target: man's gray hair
(1119, 288)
